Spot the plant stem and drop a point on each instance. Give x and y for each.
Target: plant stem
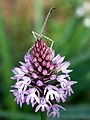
(43, 116)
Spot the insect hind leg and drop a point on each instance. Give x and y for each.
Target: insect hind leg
(52, 42)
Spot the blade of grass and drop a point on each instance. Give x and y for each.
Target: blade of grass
(69, 31)
(78, 43)
(7, 64)
(80, 58)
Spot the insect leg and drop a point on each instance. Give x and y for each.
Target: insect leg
(52, 42)
(34, 34)
(30, 49)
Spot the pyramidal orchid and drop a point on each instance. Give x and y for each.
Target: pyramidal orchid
(42, 80)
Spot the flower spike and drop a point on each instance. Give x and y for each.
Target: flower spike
(42, 80)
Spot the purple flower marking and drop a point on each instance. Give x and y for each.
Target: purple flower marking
(55, 110)
(43, 105)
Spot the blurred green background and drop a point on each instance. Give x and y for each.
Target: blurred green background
(72, 39)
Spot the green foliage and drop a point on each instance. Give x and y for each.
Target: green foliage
(6, 65)
(72, 113)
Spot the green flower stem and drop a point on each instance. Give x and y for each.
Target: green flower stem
(43, 116)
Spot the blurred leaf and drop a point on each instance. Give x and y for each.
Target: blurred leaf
(80, 58)
(73, 113)
(6, 64)
(17, 115)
